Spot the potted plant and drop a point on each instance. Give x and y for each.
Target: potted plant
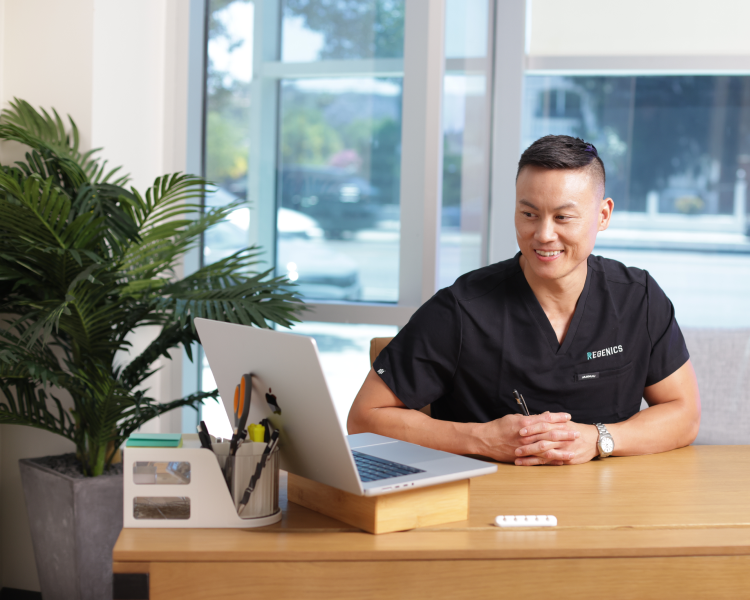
(84, 262)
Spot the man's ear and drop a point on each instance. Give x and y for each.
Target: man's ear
(605, 213)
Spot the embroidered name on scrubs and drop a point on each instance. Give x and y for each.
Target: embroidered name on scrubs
(585, 376)
(606, 352)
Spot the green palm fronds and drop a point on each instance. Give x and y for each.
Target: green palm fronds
(85, 261)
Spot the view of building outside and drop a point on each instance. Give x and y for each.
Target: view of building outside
(677, 153)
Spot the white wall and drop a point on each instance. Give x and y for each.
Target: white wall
(139, 85)
(639, 28)
(119, 68)
(139, 116)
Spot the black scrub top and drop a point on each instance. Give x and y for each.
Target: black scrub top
(468, 347)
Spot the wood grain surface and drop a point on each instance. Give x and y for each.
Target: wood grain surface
(677, 522)
(419, 507)
(596, 578)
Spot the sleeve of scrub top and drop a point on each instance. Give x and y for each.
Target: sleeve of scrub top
(418, 365)
(668, 349)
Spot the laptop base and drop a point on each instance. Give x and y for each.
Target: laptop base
(400, 511)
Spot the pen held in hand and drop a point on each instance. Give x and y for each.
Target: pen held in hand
(521, 402)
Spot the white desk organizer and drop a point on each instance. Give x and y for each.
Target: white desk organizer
(210, 503)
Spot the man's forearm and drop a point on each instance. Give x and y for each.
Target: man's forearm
(376, 409)
(671, 421)
(416, 427)
(659, 428)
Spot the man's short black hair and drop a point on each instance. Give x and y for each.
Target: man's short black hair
(563, 152)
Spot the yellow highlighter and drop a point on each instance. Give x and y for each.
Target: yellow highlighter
(257, 432)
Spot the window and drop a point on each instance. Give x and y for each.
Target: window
(338, 187)
(306, 109)
(375, 142)
(672, 124)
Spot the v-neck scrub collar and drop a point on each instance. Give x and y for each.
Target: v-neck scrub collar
(541, 318)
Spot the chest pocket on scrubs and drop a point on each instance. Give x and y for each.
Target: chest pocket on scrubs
(599, 394)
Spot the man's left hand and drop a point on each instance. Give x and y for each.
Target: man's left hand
(539, 448)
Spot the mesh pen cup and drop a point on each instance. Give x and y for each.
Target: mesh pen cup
(264, 499)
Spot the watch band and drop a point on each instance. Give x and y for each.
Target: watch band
(603, 433)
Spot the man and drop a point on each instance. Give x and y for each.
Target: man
(581, 337)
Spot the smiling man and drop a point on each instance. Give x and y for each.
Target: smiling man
(582, 338)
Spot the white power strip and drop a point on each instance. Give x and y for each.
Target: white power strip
(525, 521)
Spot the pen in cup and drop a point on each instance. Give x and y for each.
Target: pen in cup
(204, 436)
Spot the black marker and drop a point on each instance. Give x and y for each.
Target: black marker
(204, 437)
(521, 402)
(270, 447)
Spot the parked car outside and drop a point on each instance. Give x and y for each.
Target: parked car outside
(341, 202)
(319, 272)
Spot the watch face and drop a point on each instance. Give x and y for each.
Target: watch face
(607, 445)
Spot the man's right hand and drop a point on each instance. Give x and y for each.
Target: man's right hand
(500, 438)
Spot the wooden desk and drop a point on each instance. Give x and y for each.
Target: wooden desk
(669, 525)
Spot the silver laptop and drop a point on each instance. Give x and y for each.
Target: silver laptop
(291, 391)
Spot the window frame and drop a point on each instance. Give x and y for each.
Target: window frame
(514, 62)
(423, 69)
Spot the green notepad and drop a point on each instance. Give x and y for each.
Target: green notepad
(155, 440)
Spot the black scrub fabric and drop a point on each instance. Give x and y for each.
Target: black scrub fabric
(468, 347)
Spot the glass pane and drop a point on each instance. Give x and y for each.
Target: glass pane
(707, 289)
(466, 27)
(676, 148)
(465, 175)
(345, 355)
(353, 29)
(338, 187)
(229, 72)
(677, 154)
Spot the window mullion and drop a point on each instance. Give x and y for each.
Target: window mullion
(510, 43)
(263, 134)
(421, 149)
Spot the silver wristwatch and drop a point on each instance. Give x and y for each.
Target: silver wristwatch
(605, 444)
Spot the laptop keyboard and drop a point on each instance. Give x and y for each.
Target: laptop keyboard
(372, 469)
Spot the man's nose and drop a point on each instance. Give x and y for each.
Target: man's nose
(545, 231)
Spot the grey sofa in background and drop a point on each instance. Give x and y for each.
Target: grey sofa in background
(721, 358)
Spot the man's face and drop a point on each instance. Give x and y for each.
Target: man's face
(558, 214)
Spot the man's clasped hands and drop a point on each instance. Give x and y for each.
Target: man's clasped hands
(545, 439)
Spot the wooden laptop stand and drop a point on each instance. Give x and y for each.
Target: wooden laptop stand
(420, 507)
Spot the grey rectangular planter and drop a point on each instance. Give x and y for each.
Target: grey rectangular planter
(74, 525)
